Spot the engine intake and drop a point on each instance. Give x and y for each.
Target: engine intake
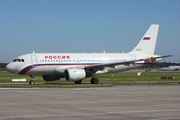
(75, 74)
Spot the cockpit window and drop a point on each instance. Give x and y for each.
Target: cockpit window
(15, 60)
(18, 60)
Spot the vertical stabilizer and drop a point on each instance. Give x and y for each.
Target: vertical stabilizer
(148, 41)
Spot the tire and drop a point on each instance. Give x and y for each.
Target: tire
(31, 82)
(78, 82)
(94, 81)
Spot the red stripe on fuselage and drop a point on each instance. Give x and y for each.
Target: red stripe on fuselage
(28, 68)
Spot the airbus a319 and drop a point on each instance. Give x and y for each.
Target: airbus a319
(77, 66)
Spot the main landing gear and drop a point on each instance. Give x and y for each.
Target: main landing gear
(78, 82)
(31, 82)
(94, 80)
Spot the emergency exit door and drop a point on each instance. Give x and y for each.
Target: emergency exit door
(34, 60)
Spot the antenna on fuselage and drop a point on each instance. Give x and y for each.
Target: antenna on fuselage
(33, 52)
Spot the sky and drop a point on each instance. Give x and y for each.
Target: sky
(76, 26)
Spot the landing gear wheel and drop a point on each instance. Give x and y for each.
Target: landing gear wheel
(78, 82)
(94, 81)
(31, 82)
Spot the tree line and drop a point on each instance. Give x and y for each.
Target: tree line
(2, 66)
(161, 64)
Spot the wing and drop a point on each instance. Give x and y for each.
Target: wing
(101, 66)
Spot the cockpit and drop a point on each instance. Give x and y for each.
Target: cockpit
(18, 60)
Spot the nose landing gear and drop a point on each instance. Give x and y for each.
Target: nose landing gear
(31, 82)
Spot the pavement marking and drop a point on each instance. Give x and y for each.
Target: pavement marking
(174, 118)
(102, 113)
(19, 88)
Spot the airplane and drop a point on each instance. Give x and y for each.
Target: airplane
(76, 67)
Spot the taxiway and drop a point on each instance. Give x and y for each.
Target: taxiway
(133, 102)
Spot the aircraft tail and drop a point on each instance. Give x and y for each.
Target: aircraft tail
(148, 41)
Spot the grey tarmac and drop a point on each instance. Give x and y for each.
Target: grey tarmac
(133, 102)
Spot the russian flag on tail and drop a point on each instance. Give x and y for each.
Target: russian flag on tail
(146, 38)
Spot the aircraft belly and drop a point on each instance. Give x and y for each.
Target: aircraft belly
(119, 68)
(42, 70)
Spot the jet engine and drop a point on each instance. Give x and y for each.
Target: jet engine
(75, 74)
(51, 77)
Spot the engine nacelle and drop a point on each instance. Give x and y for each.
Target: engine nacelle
(75, 74)
(51, 77)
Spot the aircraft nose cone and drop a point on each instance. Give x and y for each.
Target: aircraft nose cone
(10, 68)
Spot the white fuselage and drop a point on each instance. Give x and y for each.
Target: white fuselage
(55, 63)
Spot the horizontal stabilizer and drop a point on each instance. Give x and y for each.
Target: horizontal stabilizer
(164, 56)
(156, 58)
